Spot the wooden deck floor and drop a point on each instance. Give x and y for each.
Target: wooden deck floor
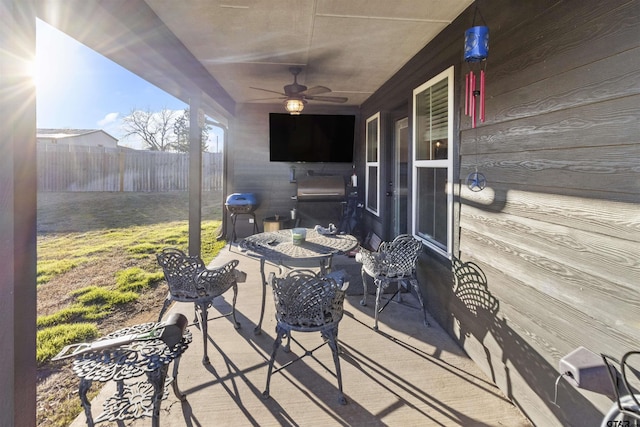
(403, 375)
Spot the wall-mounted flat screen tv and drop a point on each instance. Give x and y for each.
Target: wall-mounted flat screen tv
(311, 138)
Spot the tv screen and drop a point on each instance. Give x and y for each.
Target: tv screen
(311, 138)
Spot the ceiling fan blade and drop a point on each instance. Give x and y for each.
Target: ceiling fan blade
(267, 90)
(265, 99)
(316, 90)
(339, 99)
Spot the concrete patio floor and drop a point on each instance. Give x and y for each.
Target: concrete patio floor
(405, 374)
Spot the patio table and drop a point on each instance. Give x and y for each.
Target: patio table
(277, 247)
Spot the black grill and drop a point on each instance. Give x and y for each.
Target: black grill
(320, 199)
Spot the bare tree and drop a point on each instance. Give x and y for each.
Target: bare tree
(154, 129)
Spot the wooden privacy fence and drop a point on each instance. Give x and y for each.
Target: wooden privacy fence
(70, 168)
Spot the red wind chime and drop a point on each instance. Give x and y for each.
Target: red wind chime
(472, 107)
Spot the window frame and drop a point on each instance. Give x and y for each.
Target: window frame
(371, 164)
(447, 163)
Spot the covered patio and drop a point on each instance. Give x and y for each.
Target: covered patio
(378, 370)
(554, 235)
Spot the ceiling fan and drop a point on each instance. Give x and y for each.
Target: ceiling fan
(296, 95)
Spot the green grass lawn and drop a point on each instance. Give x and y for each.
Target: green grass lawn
(97, 270)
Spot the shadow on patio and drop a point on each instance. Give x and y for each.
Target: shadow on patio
(405, 374)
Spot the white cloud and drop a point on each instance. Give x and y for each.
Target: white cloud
(109, 118)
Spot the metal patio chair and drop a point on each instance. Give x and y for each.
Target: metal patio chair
(394, 261)
(306, 302)
(190, 280)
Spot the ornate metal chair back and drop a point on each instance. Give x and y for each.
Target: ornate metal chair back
(180, 271)
(400, 255)
(306, 301)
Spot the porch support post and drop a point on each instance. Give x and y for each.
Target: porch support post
(196, 121)
(18, 201)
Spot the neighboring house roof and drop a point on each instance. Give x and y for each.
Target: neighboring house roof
(66, 133)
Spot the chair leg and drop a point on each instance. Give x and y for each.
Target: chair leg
(166, 304)
(280, 333)
(380, 285)
(176, 390)
(416, 287)
(363, 301)
(203, 307)
(325, 266)
(331, 336)
(236, 324)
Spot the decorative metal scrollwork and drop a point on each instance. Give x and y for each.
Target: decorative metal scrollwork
(138, 397)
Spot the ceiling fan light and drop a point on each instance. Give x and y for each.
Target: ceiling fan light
(294, 106)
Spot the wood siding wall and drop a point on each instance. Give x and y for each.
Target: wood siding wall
(553, 239)
(69, 168)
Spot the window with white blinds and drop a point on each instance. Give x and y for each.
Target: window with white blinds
(433, 162)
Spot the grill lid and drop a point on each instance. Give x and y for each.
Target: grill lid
(321, 188)
(241, 199)
(241, 202)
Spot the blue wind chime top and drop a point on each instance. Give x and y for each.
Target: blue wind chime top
(476, 44)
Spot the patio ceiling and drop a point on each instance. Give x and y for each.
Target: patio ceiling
(352, 47)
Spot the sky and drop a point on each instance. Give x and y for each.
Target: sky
(78, 88)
